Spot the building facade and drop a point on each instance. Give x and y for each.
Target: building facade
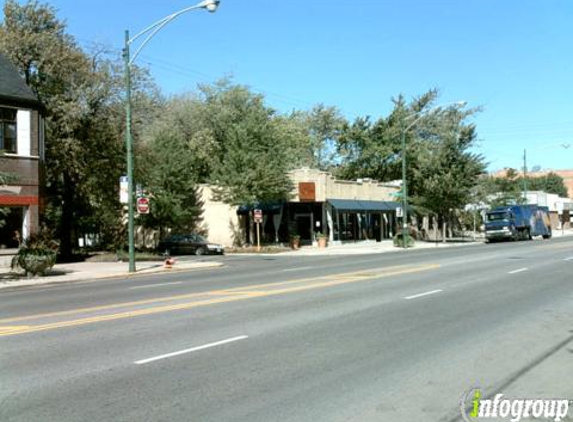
(343, 210)
(21, 156)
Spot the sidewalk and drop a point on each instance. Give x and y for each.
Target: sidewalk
(372, 247)
(89, 271)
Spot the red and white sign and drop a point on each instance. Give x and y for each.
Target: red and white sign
(258, 216)
(143, 205)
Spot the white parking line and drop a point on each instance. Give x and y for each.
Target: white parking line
(297, 269)
(569, 259)
(155, 285)
(193, 349)
(423, 294)
(519, 270)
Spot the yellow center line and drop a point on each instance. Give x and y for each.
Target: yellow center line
(169, 298)
(231, 295)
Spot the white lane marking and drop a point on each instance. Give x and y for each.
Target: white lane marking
(423, 294)
(155, 285)
(569, 259)
(297, 269)
(519, 270)
(193, 349)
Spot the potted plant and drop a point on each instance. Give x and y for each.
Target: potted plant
(35, 256)
(294, 240)
(399, 240)
(322, 240)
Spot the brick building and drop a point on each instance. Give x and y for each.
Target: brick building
(21, 155)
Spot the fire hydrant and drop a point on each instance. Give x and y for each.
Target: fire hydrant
(169, 262)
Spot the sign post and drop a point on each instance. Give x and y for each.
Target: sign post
(258, 217)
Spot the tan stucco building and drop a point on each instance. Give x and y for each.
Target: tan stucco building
(358, 210)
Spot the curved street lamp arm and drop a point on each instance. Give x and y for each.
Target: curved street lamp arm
(154, 28)
(424, 113)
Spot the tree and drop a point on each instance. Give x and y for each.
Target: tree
(441, 169)
(550, 183)
(508, 190)
(250, 163)
(324, 126)
(171, 183)
(82, 96)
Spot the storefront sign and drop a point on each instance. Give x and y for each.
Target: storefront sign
(306, 192)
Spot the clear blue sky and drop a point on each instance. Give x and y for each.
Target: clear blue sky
(514, 58)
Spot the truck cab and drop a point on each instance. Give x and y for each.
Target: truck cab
(500, 225)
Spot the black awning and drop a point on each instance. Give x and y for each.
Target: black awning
(267, 207)
(363, 205)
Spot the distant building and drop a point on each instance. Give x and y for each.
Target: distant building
(567, 176)
(22, 154)
(560, 209)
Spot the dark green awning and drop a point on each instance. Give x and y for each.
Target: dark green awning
(363, 205)
(266, 207)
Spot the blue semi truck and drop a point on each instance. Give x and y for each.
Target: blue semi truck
(515, 222)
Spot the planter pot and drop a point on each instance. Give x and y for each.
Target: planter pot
(295, 242)
(36, 264)
(322, 242)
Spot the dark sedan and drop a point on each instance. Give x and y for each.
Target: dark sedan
(180, 244)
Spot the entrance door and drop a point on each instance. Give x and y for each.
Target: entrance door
(304, 226)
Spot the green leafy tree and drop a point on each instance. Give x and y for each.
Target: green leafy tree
(441, 169)
(550, 183)
(324, 126)
(84, 116)
(250, 165)
(171, 183)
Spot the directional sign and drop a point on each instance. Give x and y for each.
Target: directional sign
(143, 205)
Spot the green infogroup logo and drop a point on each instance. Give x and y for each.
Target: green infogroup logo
(474, 407)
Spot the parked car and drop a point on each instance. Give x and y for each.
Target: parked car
(180, 244)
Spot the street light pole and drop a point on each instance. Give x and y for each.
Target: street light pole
(525, 176)
(405, 233)
(129, 152)
(404, 130)
(209, 5)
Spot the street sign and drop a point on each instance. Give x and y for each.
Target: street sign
(143, 205)
(399, 212)
(123, 190)
(258, 216)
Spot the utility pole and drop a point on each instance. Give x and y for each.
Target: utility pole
(525, 176)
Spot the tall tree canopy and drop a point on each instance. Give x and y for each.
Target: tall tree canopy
(442, 170)
(84, 111)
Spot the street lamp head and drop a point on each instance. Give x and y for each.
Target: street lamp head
(210, 5)
(461, 103)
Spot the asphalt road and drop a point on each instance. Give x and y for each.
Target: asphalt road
(386, 337)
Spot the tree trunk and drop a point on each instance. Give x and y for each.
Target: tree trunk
(66, 219)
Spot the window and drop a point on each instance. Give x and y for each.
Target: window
(8, 141)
